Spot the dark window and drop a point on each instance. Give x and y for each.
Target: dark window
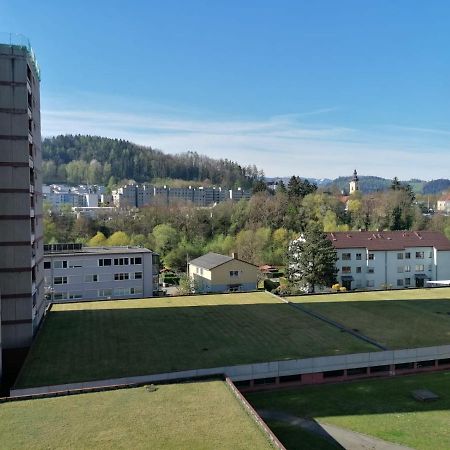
(138, 275)
(443, 362)
(357, 371)
(138, 260)
(333, 373)
(425, 363)
(377, 369)
(47, 265)
(243, 383)
(404, 366)
(290, 378)
(265, 381)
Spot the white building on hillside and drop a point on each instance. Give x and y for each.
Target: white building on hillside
(390, 259)
(443, 204)
(75, 273)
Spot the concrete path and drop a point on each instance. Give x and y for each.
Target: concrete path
(342, 438)
(351, 440)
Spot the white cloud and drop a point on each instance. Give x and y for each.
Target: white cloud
(281, 145)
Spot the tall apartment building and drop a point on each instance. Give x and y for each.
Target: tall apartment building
(21, 223)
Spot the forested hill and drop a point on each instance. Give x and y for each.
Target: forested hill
(78, 159)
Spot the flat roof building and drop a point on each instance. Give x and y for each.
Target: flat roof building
(73, 272)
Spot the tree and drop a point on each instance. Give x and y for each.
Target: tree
(118, 239)
(98, 240)
(312, 260)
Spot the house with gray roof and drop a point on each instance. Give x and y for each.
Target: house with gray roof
(214, 272)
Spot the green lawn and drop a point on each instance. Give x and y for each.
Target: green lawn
(381, 408)
(202, 415)
(396, 319)
(99, 340)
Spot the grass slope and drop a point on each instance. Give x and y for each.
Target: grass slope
(196, 415)
(396, 319)
(99, 340)
(381, 408)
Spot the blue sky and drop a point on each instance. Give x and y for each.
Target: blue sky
(313, 88)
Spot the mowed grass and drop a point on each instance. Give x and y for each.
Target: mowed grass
(202, 415)
(396, 319)
(109, 339)
(381, 408)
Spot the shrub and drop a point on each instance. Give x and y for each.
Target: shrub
(270, 285)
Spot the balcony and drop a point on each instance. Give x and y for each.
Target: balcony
(28, 86)
(31, 212)
(31, 189)
(30, 162)
(33, 238)
(30, 138)
(33, 288)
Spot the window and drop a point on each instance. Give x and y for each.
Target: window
(430, 254)
(430, 267)
(407, 268)
(75, 295)
(407, 281)
(75, 265)
(346, 269)
(399, 269)
(60, 280)
(104, 262)
(234, 273)
(419, 255)
(135, 291)
(121, 276)
(407, 255)
(358, 283)
(60, 296)
(358, 256)
(400, 282)
(105, 292)
(121, 261)
(346, 256)
(91, 278)
(370, 256)
(399, 255)
(235, 288)
(420, 267)
(137, 275)
(47, 265)
(358, 270)
(370, 283)
(370, 270)
(138, 260)
(60, 264)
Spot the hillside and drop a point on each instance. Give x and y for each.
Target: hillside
(78, 159)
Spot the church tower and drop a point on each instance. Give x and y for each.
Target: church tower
(354, 184)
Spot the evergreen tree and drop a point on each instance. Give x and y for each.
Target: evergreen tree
(312, 260)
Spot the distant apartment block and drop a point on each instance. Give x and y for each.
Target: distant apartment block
(21, 222)
(390, 259)
(135, 195)
(80, 196)
(76, 273)
(443, 204)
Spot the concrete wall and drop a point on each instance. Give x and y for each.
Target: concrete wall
(311, 368)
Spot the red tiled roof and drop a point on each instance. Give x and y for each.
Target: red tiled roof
(445, 198)
(388, 240)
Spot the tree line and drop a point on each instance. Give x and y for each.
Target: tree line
(77, 159)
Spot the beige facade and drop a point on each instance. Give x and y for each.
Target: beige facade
(233, 275)
(21, 222)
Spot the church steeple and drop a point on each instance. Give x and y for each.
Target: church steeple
(354, 184)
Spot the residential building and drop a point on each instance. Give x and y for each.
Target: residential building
(21, 223)
(219, 273)
(443, 204)
(74, 272)
(390, 259)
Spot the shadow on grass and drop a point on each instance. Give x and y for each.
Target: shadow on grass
(89, 344)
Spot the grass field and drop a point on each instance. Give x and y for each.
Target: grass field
(396, 319)
(381, 408)
(100, 340)
(181, 416)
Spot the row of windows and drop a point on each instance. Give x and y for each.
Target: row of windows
(371, 256)
(119, 261)
(64, 264)
(101, 293)
(400, 269)
(92, 278)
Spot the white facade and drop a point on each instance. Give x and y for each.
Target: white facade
(391, 268)
(100, 273)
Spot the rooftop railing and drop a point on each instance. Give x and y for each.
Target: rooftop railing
(19, 40)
